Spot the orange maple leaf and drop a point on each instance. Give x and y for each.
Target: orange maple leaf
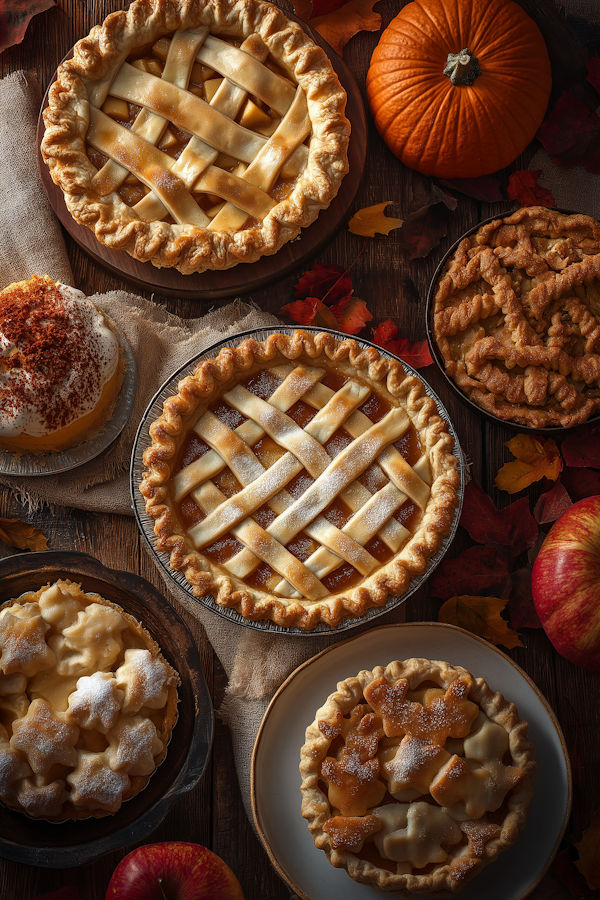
(589, 853)
(19, 534)
(339, 26)
(534, 460)
(311, 311)
(351, 314)
(372, 219)
(481, 616)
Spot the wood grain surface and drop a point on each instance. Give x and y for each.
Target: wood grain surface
(392, 286)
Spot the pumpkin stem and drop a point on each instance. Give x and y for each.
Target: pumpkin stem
(462, 68)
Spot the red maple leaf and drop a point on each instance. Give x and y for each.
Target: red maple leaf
(580, 482)
(571, 134)
(524, 188)
(351, 314)
(593, 72)
(15, 16)
(427, 222)
(552, 504)
(483, 188)
(324, 281)
(520, 605)
(474, 571)
(415, 354)
(512, 528)
(582, 448)
(311, 311)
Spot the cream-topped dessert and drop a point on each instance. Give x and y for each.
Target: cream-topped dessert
(60, 369)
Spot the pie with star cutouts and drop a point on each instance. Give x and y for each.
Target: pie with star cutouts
(300, 479)
(415, 776)
(196, 135)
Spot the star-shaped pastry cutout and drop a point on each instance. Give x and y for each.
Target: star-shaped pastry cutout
(96, 703)
(23, 645)
(350, 832)
(95, 785)
(143, 678)
(411, 766)
(133, 745)
(45, 737)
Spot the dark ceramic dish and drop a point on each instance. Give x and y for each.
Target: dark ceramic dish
(438, 359)
(75, 843)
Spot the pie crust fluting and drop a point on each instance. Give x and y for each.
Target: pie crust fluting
(196, 135)
(415, 776)
(516, 317)
(87, 704)
(300, 479)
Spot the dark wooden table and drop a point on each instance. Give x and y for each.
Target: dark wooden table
(392, 286)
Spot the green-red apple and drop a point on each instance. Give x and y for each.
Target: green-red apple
(173, 870)
(565, 584)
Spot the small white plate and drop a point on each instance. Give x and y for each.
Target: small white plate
(275, 785)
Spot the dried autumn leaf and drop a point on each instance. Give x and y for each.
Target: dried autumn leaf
(582, 449)
(303, 9)
(589, 853)
(564, 869)
(427, 223)
(524, 188)
(473, 571)
(311, 311)
(19, 534)
(481, 616)
(571, 134)
(338, 26)
(534, 460)
(520, 606)
(580, 482)
(512, 528)
(372, 220)
(324, 281)
(483, 188)
(551, 504)
(415, 354)
(351, 314)
(15, 16)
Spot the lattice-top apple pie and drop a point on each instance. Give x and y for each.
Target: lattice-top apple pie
(301, 479)
(196, 135)
(415, 776)
(87, 704)
(516, 317)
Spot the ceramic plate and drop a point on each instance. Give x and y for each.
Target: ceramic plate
(26, 464)
(276, 780)
(146, 522)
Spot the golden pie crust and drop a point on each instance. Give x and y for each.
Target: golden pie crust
(415, 776)
(87, 704)
(283, 119)
(330, 480)
(516, 317)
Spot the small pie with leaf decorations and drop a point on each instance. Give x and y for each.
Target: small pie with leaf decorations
(196, 135)
(415, 776)
(516, 317)
(300, 479)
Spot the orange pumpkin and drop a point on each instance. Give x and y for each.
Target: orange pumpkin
(458, 88)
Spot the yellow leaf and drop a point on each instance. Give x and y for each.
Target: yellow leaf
(371, 219)
(534, 460)
(481, 616)
(16, 533)
(339, 26)
(589, 853)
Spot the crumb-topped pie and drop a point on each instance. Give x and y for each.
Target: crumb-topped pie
(87, 704)
(60, 367)
(300, 479)
(196, 135)
(516, 317)
(415, 776)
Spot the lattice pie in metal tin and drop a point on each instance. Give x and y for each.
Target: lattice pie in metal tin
(415, 776)
(300, 479)
(516, 317)
(196, 134)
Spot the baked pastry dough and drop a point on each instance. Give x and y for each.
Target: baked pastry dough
(301, 479)
(82, 725)
(415, 776)
(516, 317)
(196, 135)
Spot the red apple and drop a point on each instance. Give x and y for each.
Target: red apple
(173, 870)
(565, 583)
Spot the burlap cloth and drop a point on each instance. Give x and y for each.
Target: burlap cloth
(161, 343)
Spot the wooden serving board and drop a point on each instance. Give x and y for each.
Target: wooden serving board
(245, 277)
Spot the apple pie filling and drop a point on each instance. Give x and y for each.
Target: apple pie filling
(415, 776)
